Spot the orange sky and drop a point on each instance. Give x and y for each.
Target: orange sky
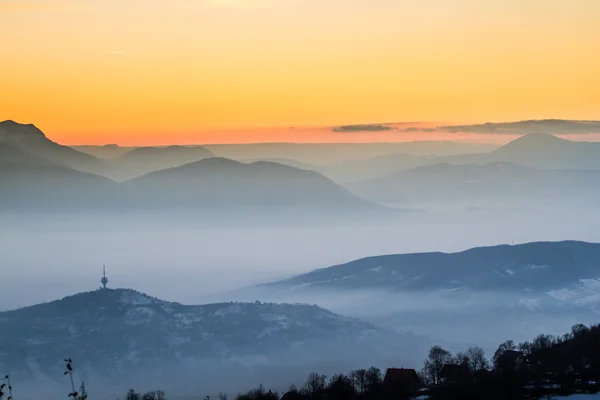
(199, 71)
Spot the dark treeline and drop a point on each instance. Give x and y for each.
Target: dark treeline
(559, 365)
(548, 365)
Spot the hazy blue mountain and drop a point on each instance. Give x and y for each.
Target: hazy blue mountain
(325, 154)
(33, 141)
(358, 169)
(538, 150)
(552, 126)
(143, 160)
(541, 151)
(547, 151)
(484, 295)
(42, 185)
(537, 266)
(120, 336)
(498, 181)
(15, 155)
(34, 183)
(376, 167)
(107, 151)
(285, 161)
(221, 183)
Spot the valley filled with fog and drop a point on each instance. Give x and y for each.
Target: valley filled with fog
(198, 228)
(193, 260)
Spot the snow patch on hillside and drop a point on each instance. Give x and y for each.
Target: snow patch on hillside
(586, 294)
(534, 266)
(233, 309)
(134, 298)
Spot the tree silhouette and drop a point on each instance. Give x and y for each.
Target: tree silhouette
(461, 358)
(315, 385)
(436, 360)
(259, 394)
(340, 388)
(359, 380)
(476, 359)
(132, 395)
(374, 379)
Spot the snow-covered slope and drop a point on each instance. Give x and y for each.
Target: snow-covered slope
(557, 268)
(122, 333)
(483, 295)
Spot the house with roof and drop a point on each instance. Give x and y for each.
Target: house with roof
(402, 379)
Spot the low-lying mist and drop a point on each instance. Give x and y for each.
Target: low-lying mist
(454, 319)
(192, 259)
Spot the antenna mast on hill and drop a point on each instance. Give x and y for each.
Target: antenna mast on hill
(104, 279)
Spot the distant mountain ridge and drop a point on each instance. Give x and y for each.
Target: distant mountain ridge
(536, 266)
(538, 150)
(376, 167)
(325, 154)
(534, 150)
(480, 182)
(143, 160)
(482, 295)
(106, 152)
(36, 184)
(179, 177)
(11, 154)
(220, 182)
(41, 175)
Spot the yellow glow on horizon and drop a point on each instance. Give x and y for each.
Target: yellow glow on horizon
(155, 71)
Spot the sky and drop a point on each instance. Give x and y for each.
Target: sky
(207, 71)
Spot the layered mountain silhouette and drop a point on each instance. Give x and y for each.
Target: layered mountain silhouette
(122, 335)
(143, 160)
(222, 183)
(107, 151)
(538, 150)
(496, 181)
(376, 167)
(482, 295)
(547, 151)
(325, 154)
(30, 139)
(286, 161)
(534, 166)
(33, 183)
(10, 154)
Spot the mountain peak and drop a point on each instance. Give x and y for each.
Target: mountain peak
(539, 137)
(538, 142)
(10, 127)
(98, 299)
